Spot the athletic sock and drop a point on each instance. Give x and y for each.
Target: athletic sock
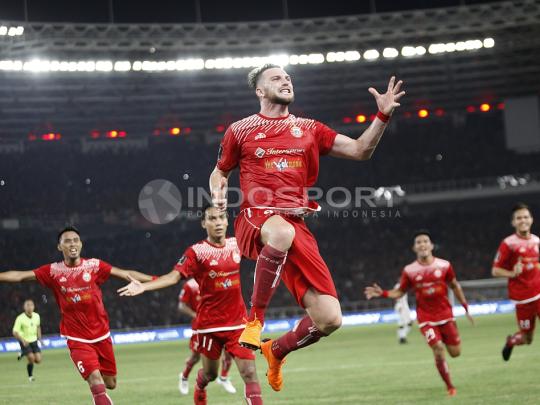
(253, 393)
(444, 371)
(30, 369)
(303, 334)
(202, 381)
(516, 339)
(267, 276)
(226, 362)
(189, 365)
(100, 395)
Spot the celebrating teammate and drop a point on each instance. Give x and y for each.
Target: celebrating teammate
(188, 302)
(215, 264)
(429, 276)
(76, 282)
(278, 155)
(517, 260)
(27, 330)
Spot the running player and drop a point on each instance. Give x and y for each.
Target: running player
(76, 282)
(429, 277)
(517, 260)
(278, 155)
(188, 302)
(215, 263)
(401, 306)
(27, 330)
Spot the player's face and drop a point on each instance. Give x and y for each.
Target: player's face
(522, 221)
(276, 86)
(215, 223)
(29, 307)
(70, 245)
(423, 246)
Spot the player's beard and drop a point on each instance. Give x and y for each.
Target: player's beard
(277, 99)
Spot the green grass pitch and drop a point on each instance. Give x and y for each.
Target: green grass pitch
(356, 365)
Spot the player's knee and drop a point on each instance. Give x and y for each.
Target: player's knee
(455, 353)
(331, 323)
(248, 373)
(37, 360)
(527, 338)
(211, 375)
(280, 237)
(110, 383)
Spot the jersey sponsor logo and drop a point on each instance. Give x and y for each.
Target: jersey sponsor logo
(212, 274)
(226, 284)
(260, 135)
(297, 132)
(259, 152)
(214, 262)
(76, 298)
(291, 151)
(236, 257)
(283, 164)
(86, 277)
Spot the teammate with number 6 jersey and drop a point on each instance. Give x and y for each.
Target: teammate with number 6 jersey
(429, 277)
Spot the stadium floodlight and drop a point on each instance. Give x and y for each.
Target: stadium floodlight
(3, 30)
(408, 51)
(390, 52)
(351, 56)
(371, 54)
(122, 66)
(488, 43)
(104, 66)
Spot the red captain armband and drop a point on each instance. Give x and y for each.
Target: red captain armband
(384, 294)
(155, 278)
(466, 306)
(383, 117)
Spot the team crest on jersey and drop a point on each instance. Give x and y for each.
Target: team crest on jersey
(236, 257)
(259, 152)
(297, 132)
(86, 277)
(212, 274)
(63, 280)
(214, 262)
(438, 273)
(260, 135)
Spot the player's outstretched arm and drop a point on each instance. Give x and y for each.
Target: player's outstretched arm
(218, 188)
(363, 147)
(135, 287)
(16, 276)
(125, 274)
(375, 291)
(460, 295)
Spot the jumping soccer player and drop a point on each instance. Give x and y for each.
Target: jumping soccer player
(215, 264)
(188, 302)
(76, 282)
(401, 307)
(517, 260)
(278, 155)
(27, 330)
(429, 277)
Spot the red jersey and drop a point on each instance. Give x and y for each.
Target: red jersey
(217, 271)
(190, 295)
(77, 293)
(525, 287)
(430, 285)
(278, 158)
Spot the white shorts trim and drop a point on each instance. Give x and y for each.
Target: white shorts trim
(76, 339)
(438, 323)
(536, 297)
(220, 329)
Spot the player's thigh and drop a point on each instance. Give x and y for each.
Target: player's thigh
(432, 336)
(84, 357)
(278, 232)
(107, 361)
(210, 367)
(233, 348)
(526, 316)
(209, 345)
(450, 337)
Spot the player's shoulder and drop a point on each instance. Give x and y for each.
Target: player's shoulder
(535, 238)
(441, 263)
(306, 123)
(231, 242)
(411, 267)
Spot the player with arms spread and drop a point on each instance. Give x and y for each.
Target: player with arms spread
(517, 260)
(214, 263)
(27, 330)
(188, 302)
(429, 276)
(278, 155)
(76, 282)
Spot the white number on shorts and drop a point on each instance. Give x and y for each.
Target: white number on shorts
(525, 323)
(80, 366)
(429, 334)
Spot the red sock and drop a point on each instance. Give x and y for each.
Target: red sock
(442, 366)
(189, 365)
(267, 277)
(100, 395)
(253, 394)
(202, 382)
(516, 339)
(226, 362)
(303, 334)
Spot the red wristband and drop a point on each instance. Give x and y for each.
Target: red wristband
(384, 294)
(155, 278)
(383, 117)
(466, 306)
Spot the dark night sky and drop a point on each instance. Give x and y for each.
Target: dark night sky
(183, 11)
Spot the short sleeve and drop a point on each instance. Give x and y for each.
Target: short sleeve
(450, 274)
(187, 264)
(325, 138)
(38, 320)
(43, 275)
(104, 272)
(229, 152)
(404, 282)
(17, 325)
(503, 256)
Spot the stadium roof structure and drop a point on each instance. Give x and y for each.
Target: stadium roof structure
(138, 100)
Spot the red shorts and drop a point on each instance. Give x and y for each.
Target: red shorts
(526, 315)
(304, 266)
(89, 357)
(211, 345)
(447, 332)
(193, 343)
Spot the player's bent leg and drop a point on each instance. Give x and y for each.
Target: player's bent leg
(30, 366)
(97, 387)
(37, 358)
(110, 381)
(223, 379)
(206, 374)
(324, 310)
(183, 385)
(453, 350)
(442, 366)
(248, 372)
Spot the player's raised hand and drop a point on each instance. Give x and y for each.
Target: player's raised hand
(133, 288)
(373, 291)
(518, 267)
(388, 101)
(219, 195)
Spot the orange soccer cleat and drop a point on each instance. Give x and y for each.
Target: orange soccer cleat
(274, 375)
(251, 335)
(452, 392)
